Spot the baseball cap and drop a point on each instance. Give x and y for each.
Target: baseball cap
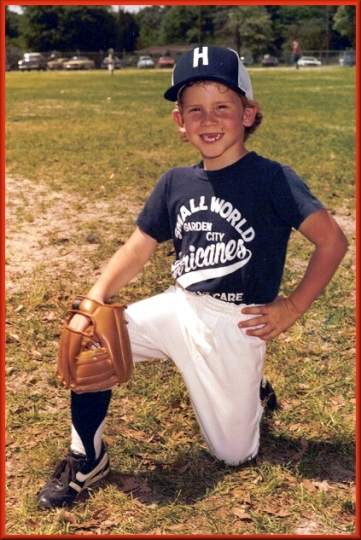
(210, 63)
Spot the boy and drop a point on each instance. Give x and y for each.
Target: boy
(230, 217)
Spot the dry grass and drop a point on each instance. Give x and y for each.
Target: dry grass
(162, 480)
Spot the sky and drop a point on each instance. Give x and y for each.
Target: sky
(129, 8)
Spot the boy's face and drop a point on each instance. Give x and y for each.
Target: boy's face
(213, 118)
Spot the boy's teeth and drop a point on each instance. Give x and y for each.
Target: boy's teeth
(211, 137)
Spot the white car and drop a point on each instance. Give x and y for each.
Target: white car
(309, 61)
(145, 62)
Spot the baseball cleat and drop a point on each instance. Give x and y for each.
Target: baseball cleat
(268, 395)
(72, 476)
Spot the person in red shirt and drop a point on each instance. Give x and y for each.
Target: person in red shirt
(296, 53)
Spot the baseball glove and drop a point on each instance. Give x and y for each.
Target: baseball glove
(100, 357)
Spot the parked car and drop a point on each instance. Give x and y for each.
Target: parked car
(79, 62)
(117, 63)
(347, 58)
(165, 62)
(145, 62)
(33, 61)
(268, 60)
(57, 63)
(309, 61)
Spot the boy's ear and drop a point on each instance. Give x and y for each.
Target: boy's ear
(178, 118)
(249, 114)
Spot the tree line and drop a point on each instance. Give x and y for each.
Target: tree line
(253, 29)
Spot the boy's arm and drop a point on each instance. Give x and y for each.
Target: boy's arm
(331, 245)
(124, 265)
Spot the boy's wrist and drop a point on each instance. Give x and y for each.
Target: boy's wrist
(96, 296)
(295, 306)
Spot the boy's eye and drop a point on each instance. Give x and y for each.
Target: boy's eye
(217, 108)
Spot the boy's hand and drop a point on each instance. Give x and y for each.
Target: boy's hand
(322, 230)
(275, 317)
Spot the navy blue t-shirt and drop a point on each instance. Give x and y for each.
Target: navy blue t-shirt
(230, 227)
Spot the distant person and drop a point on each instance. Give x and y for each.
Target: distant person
(111, 62)
(296, 53)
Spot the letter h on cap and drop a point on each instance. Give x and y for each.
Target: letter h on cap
(200, 55)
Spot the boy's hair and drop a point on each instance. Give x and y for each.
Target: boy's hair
(245, 101)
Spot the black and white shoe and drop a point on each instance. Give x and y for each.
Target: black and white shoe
(268, 395)
(72, 476)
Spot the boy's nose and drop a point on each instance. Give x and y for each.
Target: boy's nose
(208, 117)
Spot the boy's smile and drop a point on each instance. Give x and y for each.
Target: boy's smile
(213, 118)
(211, 138)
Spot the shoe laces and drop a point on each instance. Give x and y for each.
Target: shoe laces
(66, 471)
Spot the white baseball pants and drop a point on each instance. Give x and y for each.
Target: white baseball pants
(220, 365)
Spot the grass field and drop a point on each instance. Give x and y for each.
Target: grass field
(83, 151)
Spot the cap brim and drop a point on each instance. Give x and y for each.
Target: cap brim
(172, 93)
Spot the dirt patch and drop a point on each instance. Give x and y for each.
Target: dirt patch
(41, 225)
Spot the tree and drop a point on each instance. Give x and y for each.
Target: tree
(12, 24)
(127, 31)
(288, 23)
(345, 23)
(148, 21)
(43, 31)
(245, 27)
(254, 28)
(176, 23)
(64, 28)
(14, 37)
(311, 33)
(310, 25)
(291, 23)
(187, 25)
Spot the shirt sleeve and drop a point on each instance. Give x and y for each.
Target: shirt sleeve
(154, 218)
(296, 201)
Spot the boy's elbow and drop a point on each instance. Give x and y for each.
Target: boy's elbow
(342, 244)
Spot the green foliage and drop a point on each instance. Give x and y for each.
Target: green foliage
(177, 23)
(15, 40)
(64, 28)
(259, 29)
(12, 24)
(250, 27)
(83, 151)
(148, 20)
(127, 31)
(345, 23)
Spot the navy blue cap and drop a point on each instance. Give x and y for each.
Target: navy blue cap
(213, 64)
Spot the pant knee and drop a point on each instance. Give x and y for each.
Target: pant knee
(235, 454)
(234, 460)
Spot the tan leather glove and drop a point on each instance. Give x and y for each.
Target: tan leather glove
(100, 357)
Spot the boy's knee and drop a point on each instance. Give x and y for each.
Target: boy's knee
(235, 455)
